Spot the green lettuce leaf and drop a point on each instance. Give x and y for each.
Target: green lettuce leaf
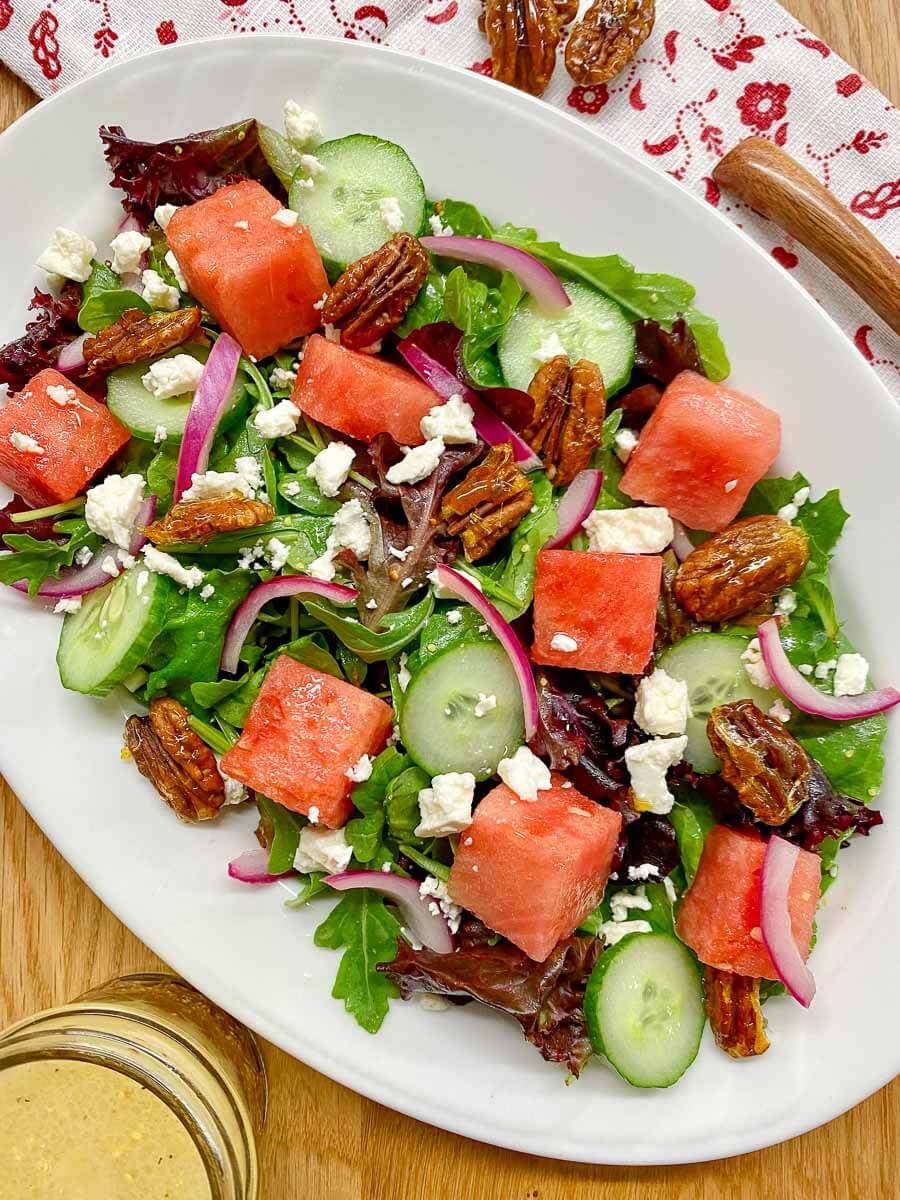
(103, 299)
(284, 827)
(35, 560)
(525, 543)
(692, 820)
(372, 645)
(364, 833)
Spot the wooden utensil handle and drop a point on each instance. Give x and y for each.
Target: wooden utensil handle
(770, 181)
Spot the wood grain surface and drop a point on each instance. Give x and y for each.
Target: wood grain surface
(56, 939)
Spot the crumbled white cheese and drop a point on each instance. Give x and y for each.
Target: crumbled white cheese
(780, 711)
(805, 668)
(824, 669)
(311, 165)
(163, 214)
(159, 435)
(126, 559)
(662, 706)
(277, 553)
(330, 468)
(218, 485)
(68, 605)
(322, 850)
(454, 616)
(441, 903)
(323, 566)
(417, 463)
(110, 567)
(642, 873)
(331, 333)
(207, 592)
(446, 806)
(83, 556)
(128, 249)
(525, 774)
(175, 267)
(405, 583)
(235, 793)
(563, 643)
(453, 422)
(371, 604)
(755, 666)
(111, 508)
(69, 254)
(438, 228)
(621, 903)
(301, 126)
(403, 673)
(158, 293)
(789, 512)
(244, 226)
(25, 443)
(351, 529)
(629, 530)
(63, 397)
(166, 564)
(731, 485)
(292, 488)
(484, 704)
(361, 770)
(391, 213)
(401, 554)
(850, 675)
(250, 471)
(550, 347)
(625, 442)
(614, 931)
(786, 603)
(276, 422)
(175, 376)
(647, 765)
(669, 886)
(314, 815)
(286, 217)
(282, 379)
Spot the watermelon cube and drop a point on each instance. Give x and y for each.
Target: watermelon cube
(75, 436)
(701, 452)
(361, 395)
(533, 870)
(305, 731)
(259, 279)
(604, 603)
(719, 917)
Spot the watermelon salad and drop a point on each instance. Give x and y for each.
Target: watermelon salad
(451, 553)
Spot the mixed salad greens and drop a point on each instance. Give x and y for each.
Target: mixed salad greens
(347, 487)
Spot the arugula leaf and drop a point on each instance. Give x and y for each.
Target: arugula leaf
(526, 542)
(103, 299)
(850, 752)
(481, 312)
(306, 535)
(161, 474)
(307, 650)
(285, 831)
(298, 489)
(361, 923)
(312, 887)
(365, 833)
(399, 628)
(464, 219)
(692, 819)
(401, 803)
(36, 560)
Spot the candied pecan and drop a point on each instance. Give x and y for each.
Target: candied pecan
(523, 36)
(569, 407)
(489, 503)
(177, 762)
(672, 622)
(138, 335)
(737, 570)
(193, 521)
(763, 762)
(372, 296)
(735, 1015)
(607, 38)
(566, 11)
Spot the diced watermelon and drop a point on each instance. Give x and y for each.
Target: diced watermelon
(533, 870)
(605, 602)
(720, 917)
(77, 439)
(702, 451)
(361, 395)
(305, 731)
(258, 279)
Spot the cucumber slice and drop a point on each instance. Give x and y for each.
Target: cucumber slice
(438, 725)
(136, 408)
(592, 327)
(710, 664)
(644, 1008)
(342, 209)
(110, 635)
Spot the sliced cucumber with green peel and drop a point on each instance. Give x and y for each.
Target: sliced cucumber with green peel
(438, 722)
(343, 208)
(711, 666)
(592, 327)
(110, 635)
(644, 1008)
(146, 416)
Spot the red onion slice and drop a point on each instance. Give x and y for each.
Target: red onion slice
(775, 920)
(808, 698)
(576, 504)
(253, 867)
(282, 585)
(460, 586)
(488, 425)
(208, 405)
(71, 357)
(530, 271)
(431, 929)
(681, 543)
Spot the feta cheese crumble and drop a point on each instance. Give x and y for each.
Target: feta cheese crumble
(789, 512)
(361, 770)
(754, 666)
(235, 793)
(311, 165)
(786, 603)
(625, 442)
(242, 225)
(441, 903)
(484, 704)
(417, 463)
(175, 376)
(286, 217)
(276, 422)
(301, 126)
(69, 605)
(642, 873)
(647, 765)
(25, 443)
(217, 485)
(453, 422)
(277, 553)
(351, 529)
(158, 293)
(629, 530)
(63, 397)
(128, 249)
(83, 557)
(111, 508)
(613, 931)
(206, 593)
(165, 564)
(850, 675)
(824, 669)
(69, 254)
(780, 711)
(403, 672)
(438, 228)
(391, 213)
(525, 774)
(110, 567)
(662, 706)
(446, 806)
(159, 435)
(550, 347)
(563, 643)
(322, 850)
(454, 616)
(331, 467)
(174, 266)
(163, 214)
(731, 485)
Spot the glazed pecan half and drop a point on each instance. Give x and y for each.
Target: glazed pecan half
(523, 36)
(766, 765)
(372, 296)
(489, 503)
(569, 407)
(672, 622)
(607, 38)
(737, 570)
(177, 762)
(735, 1015)
(196, 521)
(138, 335)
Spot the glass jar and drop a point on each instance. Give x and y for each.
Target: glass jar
(139, 1088)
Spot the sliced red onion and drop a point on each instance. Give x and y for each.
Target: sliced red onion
(282, 585)
(681, 543)
(775, 920)
(130, 224)
(464, 589)
(253, 867)
(71, 356)
(208, 405)
(530, 271)
(808, 698)
(488, 425)
(427, 927)
(78, 581)
(575, 506)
